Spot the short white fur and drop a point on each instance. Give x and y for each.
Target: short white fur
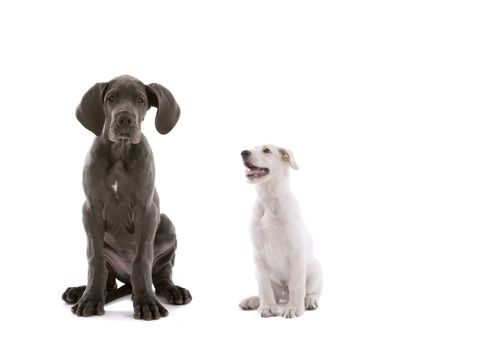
(285, 266)
(115, 186)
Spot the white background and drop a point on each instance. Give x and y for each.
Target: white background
(388, 106)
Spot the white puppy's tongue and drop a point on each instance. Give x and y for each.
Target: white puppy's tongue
(255, 172)
(250, 172)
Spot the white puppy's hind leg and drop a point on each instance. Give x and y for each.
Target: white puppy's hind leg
(251, 303)
(314, 285)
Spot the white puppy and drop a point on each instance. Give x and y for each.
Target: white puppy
(285, 266)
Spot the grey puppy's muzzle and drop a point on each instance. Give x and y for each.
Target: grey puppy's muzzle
(125, 126)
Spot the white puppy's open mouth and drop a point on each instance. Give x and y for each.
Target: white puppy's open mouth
(255, 172)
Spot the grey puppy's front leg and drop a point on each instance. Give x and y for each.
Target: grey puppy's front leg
(146, 305)
(92, 301)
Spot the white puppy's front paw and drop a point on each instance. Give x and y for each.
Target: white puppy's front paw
(311, 302)
(291, 312)
(268, 311)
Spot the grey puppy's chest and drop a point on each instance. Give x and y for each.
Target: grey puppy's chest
(119, 200)
(119, 182)
(118, 214)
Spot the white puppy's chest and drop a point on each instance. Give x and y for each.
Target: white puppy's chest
(274, 242)
(277, 259)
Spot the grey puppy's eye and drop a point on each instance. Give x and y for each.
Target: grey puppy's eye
(266, 150)
(110, 98)
(140, 100)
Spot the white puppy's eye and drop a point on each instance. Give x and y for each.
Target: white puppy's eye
(266, 150)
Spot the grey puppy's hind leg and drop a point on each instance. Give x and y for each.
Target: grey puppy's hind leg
(73, 294)
(162, 268)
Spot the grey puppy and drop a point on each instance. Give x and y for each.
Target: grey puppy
(128, 238)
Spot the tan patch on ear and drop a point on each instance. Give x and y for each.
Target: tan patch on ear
(287, 156)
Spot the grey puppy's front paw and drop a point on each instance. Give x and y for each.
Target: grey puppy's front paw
(148, 308)
(89, 305)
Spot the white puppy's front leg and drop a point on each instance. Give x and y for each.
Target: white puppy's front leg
(268, 305)
(296, 288)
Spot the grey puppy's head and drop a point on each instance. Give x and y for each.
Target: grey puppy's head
(115, 109)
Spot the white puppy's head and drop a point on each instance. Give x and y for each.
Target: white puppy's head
(267, 162)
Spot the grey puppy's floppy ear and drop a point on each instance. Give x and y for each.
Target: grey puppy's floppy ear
(168, 110)
(287, 156)
(90, 110)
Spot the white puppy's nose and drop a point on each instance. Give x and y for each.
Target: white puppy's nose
(245, 153)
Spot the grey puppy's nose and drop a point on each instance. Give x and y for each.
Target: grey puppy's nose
(124, 118)
(245, 153)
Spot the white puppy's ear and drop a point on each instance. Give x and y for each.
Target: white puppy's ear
(287, 156)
